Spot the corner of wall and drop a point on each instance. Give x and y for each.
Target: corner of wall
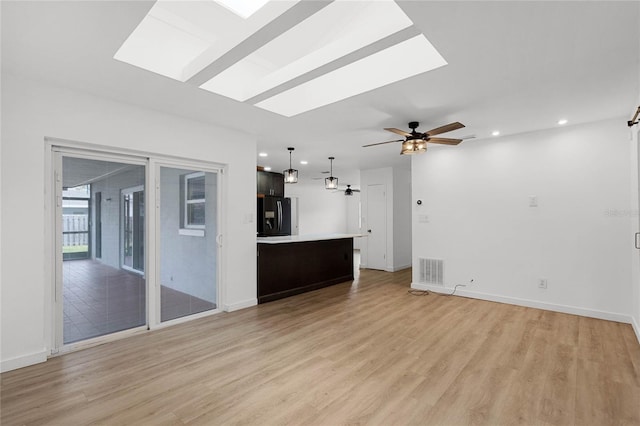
(231, 307)
(23, 361)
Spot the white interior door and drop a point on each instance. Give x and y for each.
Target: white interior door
(376, 227)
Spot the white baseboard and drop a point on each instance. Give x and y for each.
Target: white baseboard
(23, 361)
(575, 310)
(230, 307)
(398, 268)
(636, 328)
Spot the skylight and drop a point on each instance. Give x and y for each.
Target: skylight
(243, 8)
(309, 58)
(178, 39)
(411, 57)
(339, 29)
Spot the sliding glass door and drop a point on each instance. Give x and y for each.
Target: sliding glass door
(122, 263)
(102, 235)
(188, 229)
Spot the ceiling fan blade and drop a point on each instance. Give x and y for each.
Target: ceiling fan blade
(444, 129)
(445, 141)
(398, 131)
(382, 143)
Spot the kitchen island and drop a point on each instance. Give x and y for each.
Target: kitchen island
(296, 264)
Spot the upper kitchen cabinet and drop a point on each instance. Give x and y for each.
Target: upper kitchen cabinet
(270, 184)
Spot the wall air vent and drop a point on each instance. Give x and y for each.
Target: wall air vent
(431, 271)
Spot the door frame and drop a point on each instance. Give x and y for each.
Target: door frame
(56, 337)
(53, 256)
(155, 165)
(123, 191)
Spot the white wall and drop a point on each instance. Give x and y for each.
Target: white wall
(401, 218)
(32, 111)
(476, 198)
(634, 156)
(353, 218)
(635, 222)
(319, 211)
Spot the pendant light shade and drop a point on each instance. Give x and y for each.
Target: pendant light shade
(290, 175)
(331, 182)
(413, 146)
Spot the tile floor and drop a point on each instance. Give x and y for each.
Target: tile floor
(99, 300)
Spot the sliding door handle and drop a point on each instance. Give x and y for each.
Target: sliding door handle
(637, 241)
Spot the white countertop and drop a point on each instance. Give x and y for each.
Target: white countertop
(302, 238)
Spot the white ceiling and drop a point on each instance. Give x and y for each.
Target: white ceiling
(512, 66)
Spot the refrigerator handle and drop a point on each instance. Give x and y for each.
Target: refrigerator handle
(279, 216)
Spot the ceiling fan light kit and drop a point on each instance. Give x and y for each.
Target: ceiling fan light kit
(331, 182)
(290, 175)
(413, 146)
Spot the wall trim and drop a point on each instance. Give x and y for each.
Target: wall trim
(399, 268)
(636, 328)
(230, 307)
(23, 361)
(566, 309)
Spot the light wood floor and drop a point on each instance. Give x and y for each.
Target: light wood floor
(361, 353)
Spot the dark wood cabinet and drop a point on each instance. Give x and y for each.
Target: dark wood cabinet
(270, 184)
(292, 268)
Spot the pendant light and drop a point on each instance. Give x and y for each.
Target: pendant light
(331, 182)
(290, 175)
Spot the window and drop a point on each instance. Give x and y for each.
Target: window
(194, 201)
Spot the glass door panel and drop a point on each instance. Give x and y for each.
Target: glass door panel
(188, 248)
(76, 213)
(99, 295)
(133, 229)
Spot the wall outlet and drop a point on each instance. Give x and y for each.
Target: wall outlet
(542, 283)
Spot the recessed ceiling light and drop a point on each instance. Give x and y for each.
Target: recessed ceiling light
(335, 31)
(398, 62)
(563, 121)
(243, 8)
(267, 169)
(304, 162)
(263, 154)
(495, 133)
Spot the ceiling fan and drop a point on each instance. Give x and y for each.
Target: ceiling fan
(416, 142)
(348, 191)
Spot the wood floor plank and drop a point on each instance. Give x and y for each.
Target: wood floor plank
(362, 352)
